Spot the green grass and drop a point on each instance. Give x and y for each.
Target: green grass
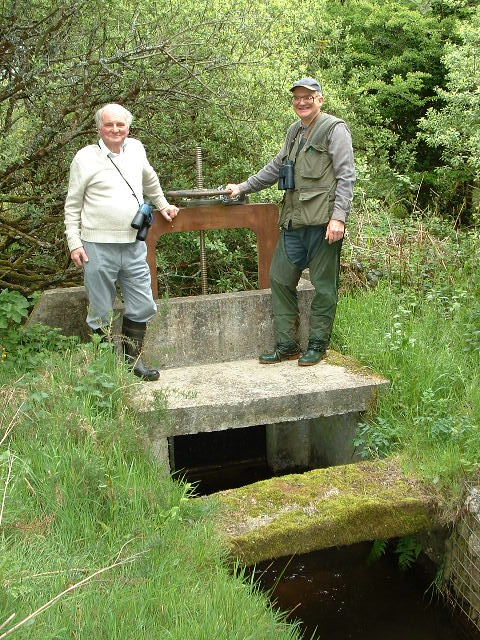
(423, 333)
(80, 495)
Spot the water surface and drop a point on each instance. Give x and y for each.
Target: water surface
(338, 595)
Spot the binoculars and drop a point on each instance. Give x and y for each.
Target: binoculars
(143, 220)
(286, 177)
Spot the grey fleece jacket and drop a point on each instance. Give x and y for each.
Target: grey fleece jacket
(341, 152)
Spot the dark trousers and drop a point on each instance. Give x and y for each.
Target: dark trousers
(296, 250)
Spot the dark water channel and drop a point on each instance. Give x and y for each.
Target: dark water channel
(337, 595)
(222, 459)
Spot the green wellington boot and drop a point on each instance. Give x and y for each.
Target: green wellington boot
(286, 351)
(315, 352)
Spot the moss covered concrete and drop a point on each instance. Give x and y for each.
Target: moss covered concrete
(339, 505)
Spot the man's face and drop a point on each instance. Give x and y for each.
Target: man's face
(306, 104)
(114, 129)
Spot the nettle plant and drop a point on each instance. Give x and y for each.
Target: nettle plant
(398, 338)
(24, 347)
(13, 308)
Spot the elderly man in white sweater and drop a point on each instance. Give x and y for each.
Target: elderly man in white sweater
(108, 181)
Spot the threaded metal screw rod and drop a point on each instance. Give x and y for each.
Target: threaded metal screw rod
(199, 166)
(203, 255)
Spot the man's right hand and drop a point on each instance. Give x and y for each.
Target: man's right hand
(79, 257)
(234, 190)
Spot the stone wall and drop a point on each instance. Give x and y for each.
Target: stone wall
(462, 564)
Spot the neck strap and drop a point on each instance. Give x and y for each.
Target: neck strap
(129, 185)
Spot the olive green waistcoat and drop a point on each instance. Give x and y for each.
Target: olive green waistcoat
(312, 200)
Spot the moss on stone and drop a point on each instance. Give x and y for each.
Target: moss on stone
(350, 364)
(322, 508)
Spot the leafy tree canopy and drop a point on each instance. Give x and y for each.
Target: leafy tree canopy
(217, 74)
(454, 128)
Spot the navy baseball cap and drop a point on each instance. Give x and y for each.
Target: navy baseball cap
(308, 83)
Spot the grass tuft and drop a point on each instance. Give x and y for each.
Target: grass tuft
(418, 324)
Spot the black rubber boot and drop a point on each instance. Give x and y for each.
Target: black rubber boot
(133, 336)
(285, 351)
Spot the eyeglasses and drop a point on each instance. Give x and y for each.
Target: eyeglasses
(298, 99)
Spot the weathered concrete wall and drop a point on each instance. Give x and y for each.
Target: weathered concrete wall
(217, 328)
(332, 440)
(66, 309)
(310, 444)
(288, 445)
(186, 331)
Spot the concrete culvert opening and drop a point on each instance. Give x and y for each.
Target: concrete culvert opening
(231, 458)
(219, 460)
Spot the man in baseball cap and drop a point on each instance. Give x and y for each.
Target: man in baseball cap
(308, 83)
(315, 168)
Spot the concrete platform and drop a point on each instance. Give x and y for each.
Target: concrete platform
(228, 395)
(206, 348)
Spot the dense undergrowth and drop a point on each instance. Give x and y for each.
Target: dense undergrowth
(83, 504)
(410, 310)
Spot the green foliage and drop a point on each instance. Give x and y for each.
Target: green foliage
(380, 64)
(230, 256)
(378, 550)
(23, 348)
(13, 308)
(221, 72)
(377, 438)
(96, 386)
(192, 58)
(471, 334)
(452, 127)
(418, 326)
(407, 550)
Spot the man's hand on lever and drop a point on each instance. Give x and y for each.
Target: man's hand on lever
(234, 190)
(169, 212)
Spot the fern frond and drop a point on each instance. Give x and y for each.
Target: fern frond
(408, 549)
(379, 548)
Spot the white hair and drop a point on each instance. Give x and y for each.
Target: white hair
(118, 107)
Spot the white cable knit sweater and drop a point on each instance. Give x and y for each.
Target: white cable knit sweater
(99, 205)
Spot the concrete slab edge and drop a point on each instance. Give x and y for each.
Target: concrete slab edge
(323, 508)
